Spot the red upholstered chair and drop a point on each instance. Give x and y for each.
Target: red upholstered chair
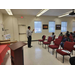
(68, 46)
(71, 38)
(41, 40)
(55, 46)
(48, 41)
(60, 37)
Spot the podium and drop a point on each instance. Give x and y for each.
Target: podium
(17, 53)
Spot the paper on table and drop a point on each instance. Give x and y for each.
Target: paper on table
(66, 51)
(74, 46)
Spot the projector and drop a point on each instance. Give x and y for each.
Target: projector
(72, 13)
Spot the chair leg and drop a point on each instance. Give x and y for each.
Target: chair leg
(42, 45)
(56, 54)
(72, 52)
(70, 55)
(60, 47)
(53, 52)
(48, 49)
(63, 58)
(45, 46)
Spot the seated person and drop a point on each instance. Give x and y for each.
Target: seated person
(71, 33)
(61, 34)
(67, 33)
(74, 39)
(65, 38)
(43, 36)
(74, 34)
(52, 36)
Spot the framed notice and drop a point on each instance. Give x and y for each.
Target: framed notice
(2, 29)
(45, 26)
(7, 36)
(58, 27)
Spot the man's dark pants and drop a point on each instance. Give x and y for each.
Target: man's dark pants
(29, 41)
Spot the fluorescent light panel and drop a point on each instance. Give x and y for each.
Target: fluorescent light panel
(9, 11)
(63, 15)
(67, 13)
(42, 12)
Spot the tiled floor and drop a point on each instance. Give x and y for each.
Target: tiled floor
(37, 55)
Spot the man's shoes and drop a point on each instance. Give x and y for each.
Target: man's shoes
(29, 47)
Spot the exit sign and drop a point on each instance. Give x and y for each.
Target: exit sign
(21, 16)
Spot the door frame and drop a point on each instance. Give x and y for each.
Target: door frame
(19, 30)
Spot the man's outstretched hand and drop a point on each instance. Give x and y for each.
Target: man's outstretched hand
(33, 29)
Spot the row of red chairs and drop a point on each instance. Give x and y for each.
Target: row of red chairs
(47, 42)
(68, 46)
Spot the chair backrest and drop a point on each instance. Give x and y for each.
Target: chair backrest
(71, 39)
(49, 39)
(44, 37)
(57, 42)
(60, 37)
(70, 36)
(68, 46)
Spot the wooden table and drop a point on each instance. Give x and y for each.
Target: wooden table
(3, 50)
(7, 42)
(4, 40)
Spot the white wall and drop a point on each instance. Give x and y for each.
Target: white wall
(11, 23)
(1, 26)
(45, 20)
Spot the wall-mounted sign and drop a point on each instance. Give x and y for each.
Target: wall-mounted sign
(45, 26)
(58, 27)
(7, 36)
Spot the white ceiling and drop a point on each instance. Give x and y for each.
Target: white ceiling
(51, 12)
(56, 12)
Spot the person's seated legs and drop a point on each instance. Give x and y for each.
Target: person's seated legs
(62, 44)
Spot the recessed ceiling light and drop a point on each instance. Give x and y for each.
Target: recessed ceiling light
(67, 13)
(42, 12)
(9, 11)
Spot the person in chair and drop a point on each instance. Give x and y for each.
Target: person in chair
(52, 35)
(65, 38)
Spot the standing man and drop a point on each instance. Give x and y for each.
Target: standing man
(29, 36)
